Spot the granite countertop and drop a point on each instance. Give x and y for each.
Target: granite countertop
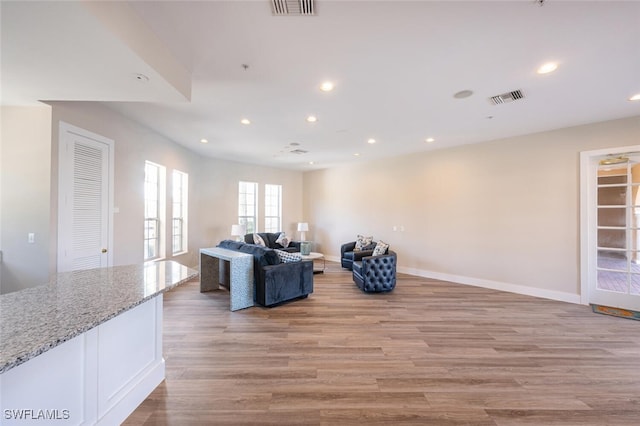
(37, 319)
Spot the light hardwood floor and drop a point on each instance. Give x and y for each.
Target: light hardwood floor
(428, 353)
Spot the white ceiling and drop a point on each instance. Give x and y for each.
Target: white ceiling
(396, 66)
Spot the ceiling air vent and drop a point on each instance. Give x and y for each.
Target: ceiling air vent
(292, 7)
(506, 97)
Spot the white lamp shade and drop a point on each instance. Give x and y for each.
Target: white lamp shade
(237, 230)
(302, 228)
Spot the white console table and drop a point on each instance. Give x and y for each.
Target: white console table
(213, 272)
(86, 348)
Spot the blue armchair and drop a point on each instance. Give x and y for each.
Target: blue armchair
(376, 273)
(348, 254)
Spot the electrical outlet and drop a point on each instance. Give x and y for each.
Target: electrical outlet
(31, 238)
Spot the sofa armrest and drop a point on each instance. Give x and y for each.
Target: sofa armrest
(347, 247)
(285, 281)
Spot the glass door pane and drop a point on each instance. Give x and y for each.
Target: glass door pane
(618, 228)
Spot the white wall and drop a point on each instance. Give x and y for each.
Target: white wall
(502, 214)
(218, 192)
(213, 184)
(25, 167)
(133, 144)
(28, 188)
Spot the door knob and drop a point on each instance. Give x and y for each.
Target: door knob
(104, 250)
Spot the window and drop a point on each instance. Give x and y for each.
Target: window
(154, 188)
(272, 208)
(180, 186)
(248, 206)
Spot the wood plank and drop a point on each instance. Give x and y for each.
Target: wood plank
(430, 352)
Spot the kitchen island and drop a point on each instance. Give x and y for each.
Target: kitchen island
(85, 348)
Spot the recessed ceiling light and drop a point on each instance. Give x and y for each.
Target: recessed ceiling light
(327, 86)
(371, 141)
(204, 141)
(245, 121)
(312, 119)
(429, 140)
(635, 97)
(357, 154)
(547, 68)
(311, 162)
(463, 94)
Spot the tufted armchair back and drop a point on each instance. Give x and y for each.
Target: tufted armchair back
(376, 273)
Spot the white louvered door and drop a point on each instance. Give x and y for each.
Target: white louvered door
(84, 211)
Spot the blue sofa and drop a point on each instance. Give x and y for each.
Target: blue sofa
(275, 282)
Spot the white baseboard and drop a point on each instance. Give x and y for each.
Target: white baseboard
(494, 285)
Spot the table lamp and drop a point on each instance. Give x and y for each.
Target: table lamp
(302, 228)
(238, 231)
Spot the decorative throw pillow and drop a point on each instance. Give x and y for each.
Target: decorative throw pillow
(286, 257)
(257, 240)
(283, 240)
(381, 248)
(362, 242)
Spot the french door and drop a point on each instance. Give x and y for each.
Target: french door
(610, 213)
(85, 199)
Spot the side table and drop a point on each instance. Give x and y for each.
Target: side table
(315, 256)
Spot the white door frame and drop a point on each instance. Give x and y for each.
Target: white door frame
(64, 130)
(588, 214)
